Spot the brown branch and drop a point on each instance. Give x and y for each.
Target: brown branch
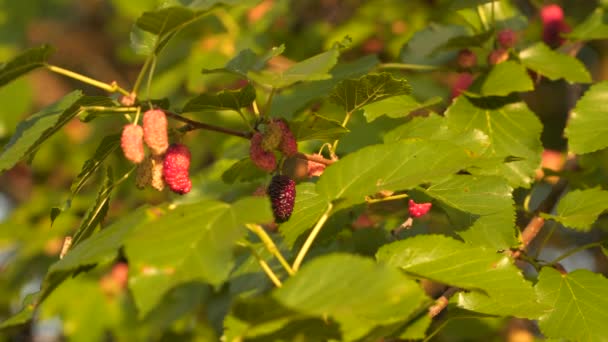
(315, 158)
(442, 302)
(199, 125)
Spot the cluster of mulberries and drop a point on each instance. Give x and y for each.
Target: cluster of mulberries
(277, 136)
(282, 193)
(166, 164)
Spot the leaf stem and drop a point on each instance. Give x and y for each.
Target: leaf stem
(388, 198)
(142, 72)
(199, 125)
(269, 272)
(270, 246)
(109, 87)
(405, 66)
(311, 237)
(576, 250)
(442, 302)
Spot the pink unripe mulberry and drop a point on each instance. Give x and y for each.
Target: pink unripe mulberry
(463, 82)
(553, 25)
(315, 169)
(498, 56)
(155, 131)
(466, 58)
(150, 173)
(419, 209)
(289, 145)
(507, 38)
(175, 168)
(132, 144)
(261, 158)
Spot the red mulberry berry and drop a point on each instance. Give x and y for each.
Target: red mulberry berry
(155, 131)
(553, 25)
(289, 145)
(507, 38)
(282, 193)
(463, 82)
(175, 169)
(419, 209)
(132, 144)
(263, 159)
(466, 58)
(272, 136)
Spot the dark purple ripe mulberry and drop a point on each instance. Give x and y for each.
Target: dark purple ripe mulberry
(282, 193)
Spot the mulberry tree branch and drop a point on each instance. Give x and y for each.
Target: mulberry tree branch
(192, 125)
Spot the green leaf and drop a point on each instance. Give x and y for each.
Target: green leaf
(226, 99)
(107, 145)
(577, 305)
(461, 4)
(594, 27)
(434, 127)
(512, 129)
(99, 248)
(293, 99)
(419, 49)
(167, 20)
(189, 242)
(554, 65)
(506, 78)
(332, 285)
(317, 127)
(34, 130)
(497, 286)
(355, 93)
(22, 317)
(242, 171)
(24, 63)
(395, 166)
(466, 41)
(488, 198)
(142, 42)
(308, 208)
(396, 107)
(247, 61)
(580, 208)
(98, 210)
(588, 124)
(312, 69)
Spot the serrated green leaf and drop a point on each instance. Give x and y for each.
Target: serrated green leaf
(242, 171)
(506, 78)
(317, 127)
(22, 317)
(594, 27)
(190, 242)
(580, 208)
(24, 63)
(143, 42)
(99, 248)
(554, 65)
(308, 208)
(107, 145)
(89, 316)
(293, 99)
(395, 166)
(34, 130)
(419, 49)
(588, 124)
(396, 107)
(223, 100)
(97, 211)
(332, 285)
(497, 286)
(167, 20)
(355, 93)
(312, 69)
(576, 305)
(434, 127)
(247, 61)
(488, 198)
(512, 129)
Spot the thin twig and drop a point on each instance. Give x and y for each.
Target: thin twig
(311, 237)
(270, 246)
(442, 302)
(199, 125)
